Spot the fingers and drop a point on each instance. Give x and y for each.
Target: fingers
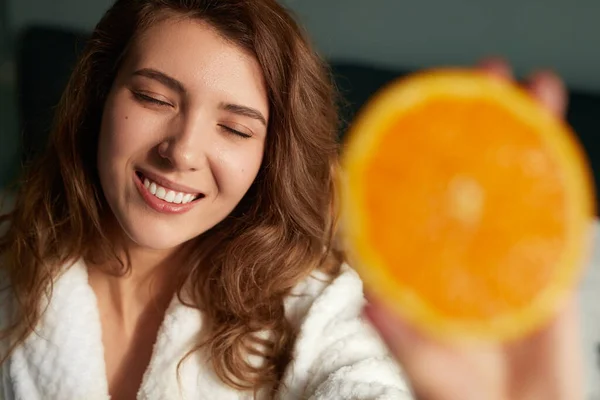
(546, 365)
(496, 67)
(544, 85)
(437, 371)
(549, 364)
(550, 90)
(563, 337)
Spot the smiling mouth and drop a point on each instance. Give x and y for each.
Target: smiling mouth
(166, 194)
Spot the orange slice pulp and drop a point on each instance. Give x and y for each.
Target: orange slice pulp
(467, 206)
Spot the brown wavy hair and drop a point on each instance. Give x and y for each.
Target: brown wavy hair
(245, 266)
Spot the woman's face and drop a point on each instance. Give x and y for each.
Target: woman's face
(183, 133)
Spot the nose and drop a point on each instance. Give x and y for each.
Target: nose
(186, 149)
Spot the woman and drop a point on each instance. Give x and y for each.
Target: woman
(175, 240)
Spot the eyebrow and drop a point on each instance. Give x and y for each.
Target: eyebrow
(244, 111)
(176, 85)
(161, 77)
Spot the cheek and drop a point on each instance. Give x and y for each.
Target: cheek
(125, 131)
(238, 167)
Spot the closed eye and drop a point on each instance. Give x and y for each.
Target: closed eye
(235, 132)
(149, 99)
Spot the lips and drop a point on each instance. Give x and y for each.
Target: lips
(164, 196)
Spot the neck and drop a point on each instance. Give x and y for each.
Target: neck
(149, 286)
(148, 266)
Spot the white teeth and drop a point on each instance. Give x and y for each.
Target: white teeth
(166, 194)
(170, 196)
(178, 198)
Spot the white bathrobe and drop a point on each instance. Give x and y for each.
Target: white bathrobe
(336, 354)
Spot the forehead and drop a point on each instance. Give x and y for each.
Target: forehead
(195, 53)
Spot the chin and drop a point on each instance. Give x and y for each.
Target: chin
(154, 235)
(156, 242)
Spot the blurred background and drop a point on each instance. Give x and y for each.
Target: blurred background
(367, 43)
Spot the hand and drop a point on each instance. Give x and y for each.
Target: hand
(545, 366)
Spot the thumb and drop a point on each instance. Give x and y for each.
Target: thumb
(414, 351)
(435, 370)
(401, 338)
(405, 344)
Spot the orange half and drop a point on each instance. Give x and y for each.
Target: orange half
(467, 206)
